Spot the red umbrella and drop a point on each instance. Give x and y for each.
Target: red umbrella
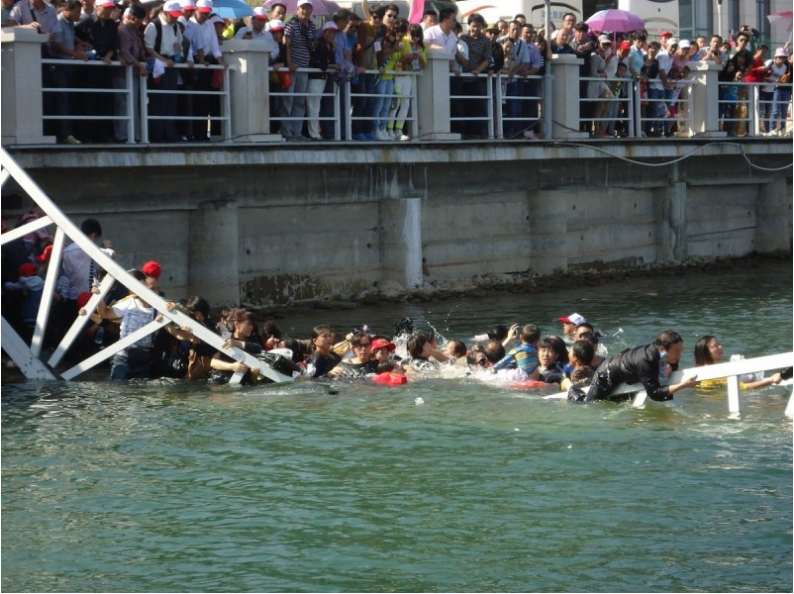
(615, 21)
(781, 18)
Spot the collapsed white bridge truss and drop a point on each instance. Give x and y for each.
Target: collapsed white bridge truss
(28, 358)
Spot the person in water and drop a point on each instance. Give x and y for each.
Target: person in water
(361, 362)
(708, 351)
(241, 321)
(640, 364)
(323, 359)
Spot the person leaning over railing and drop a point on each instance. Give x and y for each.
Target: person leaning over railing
(413, 58)
(66, 47)
(163, 39)
(101, 34)
(475, 87)
(132, 53)
(34, 14)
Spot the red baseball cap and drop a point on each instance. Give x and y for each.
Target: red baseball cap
(379, 343)
(152, 268)
(28, 269)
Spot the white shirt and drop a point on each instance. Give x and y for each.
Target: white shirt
(266, 36)
(211, 46)
(134, 316)
(434, 36)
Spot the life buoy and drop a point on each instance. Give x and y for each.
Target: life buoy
(390, 379)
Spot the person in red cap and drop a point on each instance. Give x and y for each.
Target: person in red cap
(152, 271)
(30, 286)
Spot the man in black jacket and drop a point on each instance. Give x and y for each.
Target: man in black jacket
(649, 364)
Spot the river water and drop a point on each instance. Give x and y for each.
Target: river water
(168, 486)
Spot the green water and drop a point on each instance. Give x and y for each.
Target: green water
(167, 486)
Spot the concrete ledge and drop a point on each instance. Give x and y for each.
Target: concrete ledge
(335, 153)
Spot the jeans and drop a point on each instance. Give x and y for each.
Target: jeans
(655, 110)
(363, 106)
(402, 93)
(382, 105)
(782, 97)
(294, 106)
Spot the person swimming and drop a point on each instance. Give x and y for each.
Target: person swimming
(709, 351)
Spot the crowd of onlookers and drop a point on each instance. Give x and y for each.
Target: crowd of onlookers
(380, 56)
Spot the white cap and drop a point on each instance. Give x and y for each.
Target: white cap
(684, 44)
(174, 8)
(302, 2)
(604, 39)
(330, 25)
(187, 5)
(781, 53)
(277, 25)
(260, 13)
(204, 5)
(672, 41)
(574, 318)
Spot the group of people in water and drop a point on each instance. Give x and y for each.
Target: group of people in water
(516, 356)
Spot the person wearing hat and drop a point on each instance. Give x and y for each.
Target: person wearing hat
(569, 324)
(598, 89)
(300, 35)
(780, 71)
(163, 40)
(256, 30)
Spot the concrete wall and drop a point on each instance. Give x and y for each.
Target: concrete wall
(290, 223)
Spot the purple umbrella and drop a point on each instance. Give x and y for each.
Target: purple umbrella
(321, 7)
(615, 21)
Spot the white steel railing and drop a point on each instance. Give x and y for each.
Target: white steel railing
(742, 111)
(616, 104)
(731, 371)
(145, 91)
(28, 357)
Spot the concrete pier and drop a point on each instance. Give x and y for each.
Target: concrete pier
(278, 224)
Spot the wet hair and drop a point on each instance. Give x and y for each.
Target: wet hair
(588, 330)
(530, 333)
(90, 226)
(582, 375)
(321, 329)
(295, 346)
(668, 338)
(458, 347)
(559, 348)
(240, 316)
(358, 337)
(498, 332)
(270, 328)
(198, 304)
(494, 351)
(583, 351)
(416, 344)
(702, 353)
